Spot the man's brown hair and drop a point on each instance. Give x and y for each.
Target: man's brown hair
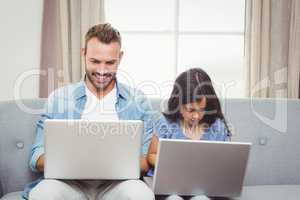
(105, 33)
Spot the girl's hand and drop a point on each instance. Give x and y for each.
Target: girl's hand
(151, 156)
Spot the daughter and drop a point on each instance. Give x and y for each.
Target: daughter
(193, 113)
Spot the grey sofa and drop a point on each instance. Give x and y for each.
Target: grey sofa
(271, 125)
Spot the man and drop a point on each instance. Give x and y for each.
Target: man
(102, 55)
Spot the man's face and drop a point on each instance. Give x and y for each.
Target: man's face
(101, 63)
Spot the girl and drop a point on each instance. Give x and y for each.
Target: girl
(193, 112)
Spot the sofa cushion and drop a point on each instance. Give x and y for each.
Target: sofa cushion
(12, 196)
(270, 192)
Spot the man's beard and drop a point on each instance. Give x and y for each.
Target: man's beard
(101, 80)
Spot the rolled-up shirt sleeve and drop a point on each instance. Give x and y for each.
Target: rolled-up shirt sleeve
(149, 117)
(38, 147)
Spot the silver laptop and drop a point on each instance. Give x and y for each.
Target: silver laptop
(88, 149)
(186, 167)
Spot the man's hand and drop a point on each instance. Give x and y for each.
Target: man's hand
(40, 163)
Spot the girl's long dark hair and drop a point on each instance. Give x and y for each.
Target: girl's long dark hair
(190, 86)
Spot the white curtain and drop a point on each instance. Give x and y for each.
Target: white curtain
(64, 26)
(272, 48)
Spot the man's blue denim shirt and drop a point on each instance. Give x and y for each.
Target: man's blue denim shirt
(68, 103)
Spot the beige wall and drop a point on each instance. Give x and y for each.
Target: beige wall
(20, 38)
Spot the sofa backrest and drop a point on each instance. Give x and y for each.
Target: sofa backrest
(271, 125)
(17, 132)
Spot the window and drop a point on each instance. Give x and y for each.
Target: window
(163, 38)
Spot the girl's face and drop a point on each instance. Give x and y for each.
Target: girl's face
(192, 113)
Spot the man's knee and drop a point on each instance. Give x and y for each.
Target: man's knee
(53, 190)
(132, 190)
(200, 197)
(135, 190)
(173, 197)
